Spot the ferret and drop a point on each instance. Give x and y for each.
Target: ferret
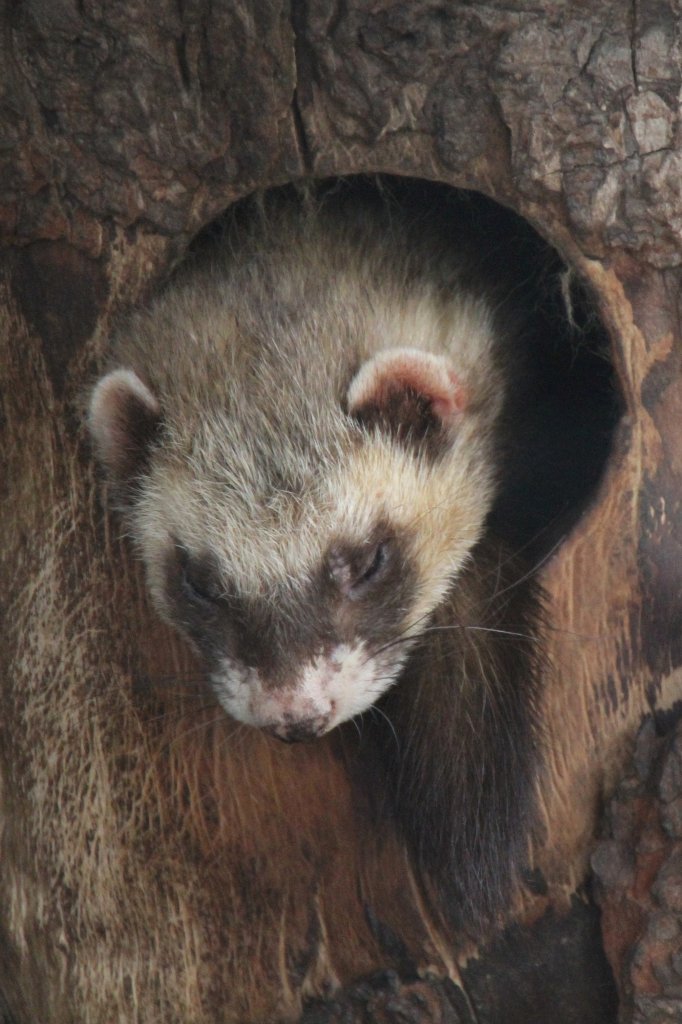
(302, 432)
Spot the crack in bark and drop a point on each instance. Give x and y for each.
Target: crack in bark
(183, 64)
(634, 31)
(298, 21)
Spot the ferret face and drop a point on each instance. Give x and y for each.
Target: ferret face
(304, 654)
(303, 593)
(304, 602)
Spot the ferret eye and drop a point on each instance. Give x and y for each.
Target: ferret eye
(369, 570)
(355, 569)
(198, 583)
(377, 562)
(194, 591)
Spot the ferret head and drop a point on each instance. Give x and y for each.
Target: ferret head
(302, 561)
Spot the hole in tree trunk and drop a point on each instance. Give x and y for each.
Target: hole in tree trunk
(558, 438)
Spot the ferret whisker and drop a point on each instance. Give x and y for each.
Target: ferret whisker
(533, 571)
(375, 709)
(410, 628)
(177, 690)
(481, 629)
(395, 642)
(236, 738)
(179, 713)
(358, 727)
(203, 725)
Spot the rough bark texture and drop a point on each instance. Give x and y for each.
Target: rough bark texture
(638, 865)
(137, 875)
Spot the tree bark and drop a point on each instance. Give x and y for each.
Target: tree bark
(137, 873)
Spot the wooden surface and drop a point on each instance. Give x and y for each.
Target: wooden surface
(159, 864)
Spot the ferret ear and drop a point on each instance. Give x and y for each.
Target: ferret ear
(124, 418)
(414, 395)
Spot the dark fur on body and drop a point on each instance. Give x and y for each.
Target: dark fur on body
(455, 750)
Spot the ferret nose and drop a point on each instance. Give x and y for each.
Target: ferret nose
(301, 730)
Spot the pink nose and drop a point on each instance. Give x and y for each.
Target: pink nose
(300, 730)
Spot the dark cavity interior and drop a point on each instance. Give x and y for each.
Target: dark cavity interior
(557, 441)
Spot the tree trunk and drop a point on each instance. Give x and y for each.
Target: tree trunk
(137, 875)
